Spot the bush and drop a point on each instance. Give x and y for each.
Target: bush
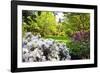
(80, 45)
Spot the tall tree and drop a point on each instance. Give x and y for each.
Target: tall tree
(76, 22)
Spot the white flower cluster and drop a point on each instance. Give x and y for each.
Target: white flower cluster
(37, 49)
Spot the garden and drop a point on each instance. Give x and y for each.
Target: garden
(55, 36)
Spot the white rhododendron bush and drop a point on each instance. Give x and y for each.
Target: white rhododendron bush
(38, 49)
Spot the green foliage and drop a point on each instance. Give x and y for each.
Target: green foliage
(76, 22)
(43, 23)
(77, 26)
(46, 21)
(80, 49)
(80, 45)
(71, 31)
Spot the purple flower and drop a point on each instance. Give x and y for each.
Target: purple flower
(81, 35)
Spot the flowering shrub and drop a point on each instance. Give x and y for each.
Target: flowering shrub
(81, 36)
(80, 45)
(38, 49)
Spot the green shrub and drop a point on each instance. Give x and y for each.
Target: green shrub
(80, 47)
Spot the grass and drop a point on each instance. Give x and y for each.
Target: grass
(59, 38)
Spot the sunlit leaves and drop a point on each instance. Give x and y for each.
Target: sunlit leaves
(75, 28)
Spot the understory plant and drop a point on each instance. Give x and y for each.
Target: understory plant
(80, 45)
